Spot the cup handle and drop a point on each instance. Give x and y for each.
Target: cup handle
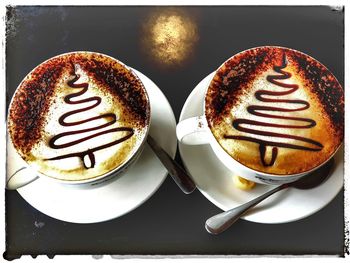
(193, 131)
(19, 179)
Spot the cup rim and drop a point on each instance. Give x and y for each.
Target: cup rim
(112, 172)
(271, 175)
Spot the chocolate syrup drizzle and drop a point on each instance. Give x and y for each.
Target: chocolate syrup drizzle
(262, 95)
(62, 121)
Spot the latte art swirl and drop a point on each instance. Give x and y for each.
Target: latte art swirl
(79, 116)
(275, 110)
(264, 96)
(62, 120)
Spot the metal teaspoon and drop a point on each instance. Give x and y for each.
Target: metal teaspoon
(220, 222)
(179, 175)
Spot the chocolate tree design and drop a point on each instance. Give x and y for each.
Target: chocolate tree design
(111, 117)
(264, 111)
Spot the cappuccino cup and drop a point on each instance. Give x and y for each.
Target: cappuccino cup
(270, 114)
(79, 118)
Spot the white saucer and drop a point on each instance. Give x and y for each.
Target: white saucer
(119, 196)
(215, 182)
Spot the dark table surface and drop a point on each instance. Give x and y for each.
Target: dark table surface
(170, 222)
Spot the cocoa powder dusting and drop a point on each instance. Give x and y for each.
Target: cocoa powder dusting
(33, 98)
(325, 86)
(232, 79)
(241, 70)
(31, 103)
(122, 84)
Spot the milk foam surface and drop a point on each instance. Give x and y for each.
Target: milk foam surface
(252, 142)
(75, 168)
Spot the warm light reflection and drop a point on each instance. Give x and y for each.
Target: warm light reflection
(170, 35)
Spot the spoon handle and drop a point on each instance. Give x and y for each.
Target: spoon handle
(179, 175)
(220, 222)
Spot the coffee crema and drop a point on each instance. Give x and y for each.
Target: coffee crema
(78, 116)
(276, 110)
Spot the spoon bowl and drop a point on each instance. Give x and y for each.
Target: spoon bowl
(315, 178)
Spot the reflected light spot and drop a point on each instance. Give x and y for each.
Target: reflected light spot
(170, 35)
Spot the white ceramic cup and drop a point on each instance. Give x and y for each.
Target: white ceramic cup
(26, 174)
(195, 131)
